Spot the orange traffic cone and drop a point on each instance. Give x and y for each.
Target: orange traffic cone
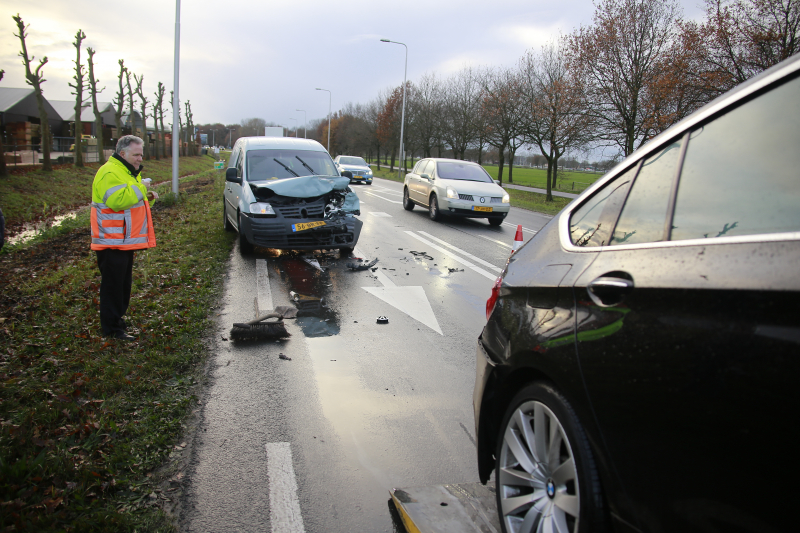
(517, 239)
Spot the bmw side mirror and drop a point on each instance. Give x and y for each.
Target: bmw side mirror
(230, 175)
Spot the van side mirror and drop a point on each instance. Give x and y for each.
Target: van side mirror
(230, 175)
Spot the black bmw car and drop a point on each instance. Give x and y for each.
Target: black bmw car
(639, 367)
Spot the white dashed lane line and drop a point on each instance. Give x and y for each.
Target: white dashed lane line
(462, 252)
(453, 256)
(284, 505)
(382, 198)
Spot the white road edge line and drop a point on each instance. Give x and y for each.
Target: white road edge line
(462, 252)
(382, 198)
(263, 291)
(450, 254)
(284, 505)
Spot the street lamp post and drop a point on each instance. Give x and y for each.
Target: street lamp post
(403, 114)
(176, 98)
(329, 117)
(304, 122)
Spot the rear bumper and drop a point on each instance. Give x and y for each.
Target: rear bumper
(481, 404)
(341, 232)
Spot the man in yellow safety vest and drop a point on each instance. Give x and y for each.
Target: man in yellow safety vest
(121, 223)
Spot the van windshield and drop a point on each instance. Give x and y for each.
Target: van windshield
(265, 165)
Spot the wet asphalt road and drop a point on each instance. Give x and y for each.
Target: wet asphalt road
(361, 407)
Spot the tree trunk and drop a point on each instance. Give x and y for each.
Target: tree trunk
(378, 157)
(511, 165)
(394, 154)
(501, 163)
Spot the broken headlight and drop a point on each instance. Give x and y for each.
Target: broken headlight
(261, 208)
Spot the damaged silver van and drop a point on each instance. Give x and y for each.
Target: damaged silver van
(286, 193)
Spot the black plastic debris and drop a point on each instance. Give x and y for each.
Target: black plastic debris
(306, 303)
(362, 265)
(421, 255)
(451, 270)
(383, 319)
(284, 357)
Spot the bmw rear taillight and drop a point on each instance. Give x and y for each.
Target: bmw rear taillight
(490, 303)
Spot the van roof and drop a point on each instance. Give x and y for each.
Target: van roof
(278, 143)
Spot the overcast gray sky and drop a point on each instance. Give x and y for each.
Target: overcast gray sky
(243, 59)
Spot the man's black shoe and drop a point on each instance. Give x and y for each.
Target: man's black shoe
(123, 336)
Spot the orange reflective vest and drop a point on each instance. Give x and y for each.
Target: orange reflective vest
(129, 229)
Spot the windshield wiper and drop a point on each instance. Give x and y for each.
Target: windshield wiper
(306, 165)
(296, 175)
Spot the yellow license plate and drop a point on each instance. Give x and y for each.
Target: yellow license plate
(357, 177)
(307, 225)
(480, 208)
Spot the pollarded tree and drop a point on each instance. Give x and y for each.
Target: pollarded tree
(131, 117)
(140, 92)
(98, 120)
(158, 115)
(191, 147)
(35, 79)
(3, 170)
(173, 105)
(79, 101)
(389, 121)
(624, 56)
(119, 103)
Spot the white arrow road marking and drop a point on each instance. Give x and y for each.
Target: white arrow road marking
(382, 198)
(263, 291)
(462, 252)
(284, 506)
(380, 214)
(410, 300)
(453, 256)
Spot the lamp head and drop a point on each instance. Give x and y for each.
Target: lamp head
(385, 40)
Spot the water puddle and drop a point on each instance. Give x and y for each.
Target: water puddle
(309, 285)
(32, 230)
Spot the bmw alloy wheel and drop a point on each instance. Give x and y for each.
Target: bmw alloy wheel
(537, 477)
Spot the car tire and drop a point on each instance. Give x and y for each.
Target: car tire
(496, 221)
(245, 246)
(225, 222)
(537, 486)
(433, 209)
(369, 183)
(408, 205)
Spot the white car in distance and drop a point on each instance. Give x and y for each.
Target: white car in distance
(455, 188)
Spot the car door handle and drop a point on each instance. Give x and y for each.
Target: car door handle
(609, 290)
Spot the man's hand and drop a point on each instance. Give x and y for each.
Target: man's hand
(152, 195)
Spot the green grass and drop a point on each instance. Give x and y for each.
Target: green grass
(535, 177)
(33, 195)
(534, 201)
(87, 424)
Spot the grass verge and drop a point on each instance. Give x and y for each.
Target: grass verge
(34, 195)
(85, 421)
(534, 201)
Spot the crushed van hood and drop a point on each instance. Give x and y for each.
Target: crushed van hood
(333, 188)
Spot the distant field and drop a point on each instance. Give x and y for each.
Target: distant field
(535, 177)
(532, 177)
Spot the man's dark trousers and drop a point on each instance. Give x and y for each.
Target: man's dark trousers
(116, 271)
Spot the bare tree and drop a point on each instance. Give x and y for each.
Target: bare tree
(502, 104)
(252, 126)
(624, 56)
(35, 79)
(425, 107)
(738, 39)
(555, 101)
(462, 100)
(98, 120)
(79, 101)
(191, 146)
(131, 117)
(158, 115)
(119, 103)
(140, 92)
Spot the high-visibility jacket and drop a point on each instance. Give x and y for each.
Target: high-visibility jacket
(120, 214)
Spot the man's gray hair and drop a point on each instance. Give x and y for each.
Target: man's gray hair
(125, 141)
